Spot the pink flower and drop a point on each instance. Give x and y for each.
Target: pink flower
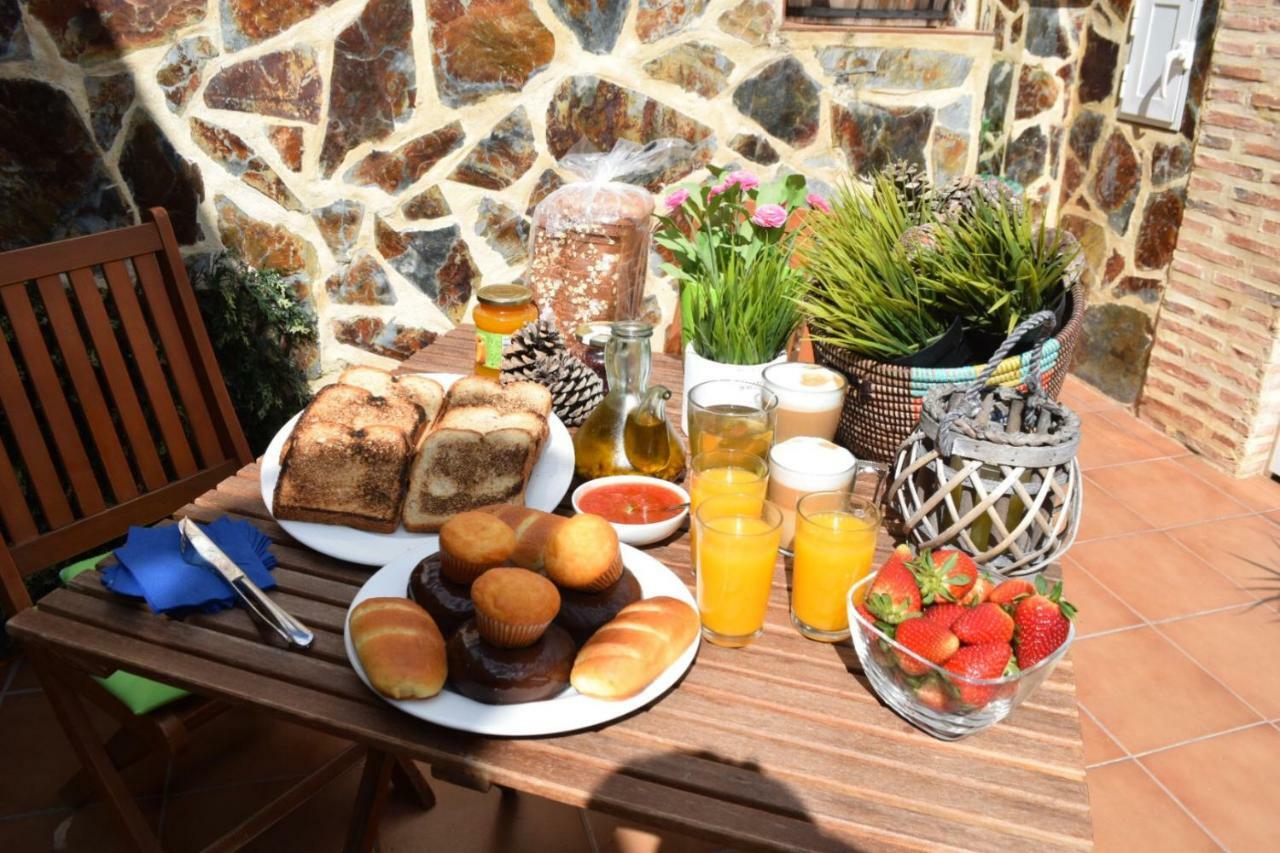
(817, 202)
(677, 198)
(770, 216)
(719, 188)
(744, 179)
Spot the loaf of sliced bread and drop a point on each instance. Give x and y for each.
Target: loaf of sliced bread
(457, 470)
(335, 474)
(490, 418)
(510, 397)
(358, 408)
(416, 388)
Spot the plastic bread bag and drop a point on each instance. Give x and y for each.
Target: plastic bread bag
(589, 241)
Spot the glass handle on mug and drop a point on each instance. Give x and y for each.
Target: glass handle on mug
(869, 481)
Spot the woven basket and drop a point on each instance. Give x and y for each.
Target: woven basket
(882, 407)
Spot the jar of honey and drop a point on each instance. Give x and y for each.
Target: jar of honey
(501, 310)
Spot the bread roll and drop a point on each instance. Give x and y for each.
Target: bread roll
(400, 648)
(627, 654)
(534, 528)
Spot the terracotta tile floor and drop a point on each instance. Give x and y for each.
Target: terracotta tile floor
(1178, 657)
(1178, 664)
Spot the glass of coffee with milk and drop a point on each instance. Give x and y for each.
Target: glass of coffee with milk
(805, 464)
(810, 398)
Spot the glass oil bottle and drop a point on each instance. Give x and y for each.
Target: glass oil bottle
(628, 433)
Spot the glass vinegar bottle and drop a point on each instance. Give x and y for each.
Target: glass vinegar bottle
(628, 433)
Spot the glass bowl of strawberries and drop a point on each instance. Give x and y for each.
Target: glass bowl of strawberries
(952, 648)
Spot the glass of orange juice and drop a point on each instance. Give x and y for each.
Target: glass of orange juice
(834, 546)
(735, 554)
(726, 472)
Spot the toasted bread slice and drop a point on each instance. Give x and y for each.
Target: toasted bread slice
(375, 380)
(423, 390)
(460, 469)
(358, 408)
(485, 419)
(510, 397)
(334, 474)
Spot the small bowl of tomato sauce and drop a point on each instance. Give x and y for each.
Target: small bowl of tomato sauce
(643, 510)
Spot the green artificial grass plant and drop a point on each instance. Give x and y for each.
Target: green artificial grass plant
(995, 266)
(861, 292)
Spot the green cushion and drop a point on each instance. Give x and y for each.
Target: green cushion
(140, 695)
(66, 573)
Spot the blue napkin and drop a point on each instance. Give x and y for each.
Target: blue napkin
(151, 566)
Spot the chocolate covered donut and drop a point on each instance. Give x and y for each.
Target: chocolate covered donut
(584, 613)
(448, 603)
(495, 676)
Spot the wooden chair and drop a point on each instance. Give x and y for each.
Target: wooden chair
(115, 414)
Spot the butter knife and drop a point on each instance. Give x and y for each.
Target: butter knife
(199, 550)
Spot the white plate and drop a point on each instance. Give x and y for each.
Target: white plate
(570, 711)
(547, 485)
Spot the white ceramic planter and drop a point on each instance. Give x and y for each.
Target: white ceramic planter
(698, 370)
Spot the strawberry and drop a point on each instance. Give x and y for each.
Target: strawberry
(865, 613)
(893, 595)
(932, 693)
(929, 640)
(987, 660)
(1008, 592)
(977, 595)
(1042, 621)
(944, 614)
(944, 575)
(986, 623)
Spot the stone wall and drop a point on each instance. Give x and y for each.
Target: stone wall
(1123, 191)
(1029, 93)
(387, 153)
(1214, 377)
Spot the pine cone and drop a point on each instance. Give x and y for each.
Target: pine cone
(575, 389)
(529, 346)
(919, 239)
(912, 184)
(957, 199)
(1069, 245)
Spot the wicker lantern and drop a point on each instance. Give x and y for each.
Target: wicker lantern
(992, 470)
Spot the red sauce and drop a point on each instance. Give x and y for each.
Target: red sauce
(632, 503)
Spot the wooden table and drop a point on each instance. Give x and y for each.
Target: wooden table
(779, 746)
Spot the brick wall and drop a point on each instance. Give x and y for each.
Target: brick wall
(1214, 376)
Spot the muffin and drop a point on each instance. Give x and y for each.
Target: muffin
(583, 555)
(471, 543)
(514, 606)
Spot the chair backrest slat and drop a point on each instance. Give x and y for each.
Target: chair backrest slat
(141, 442)
(31, 263)
(59, 421)
(92, 404)
(183, 299)
(144, 356)
(175, 351)
(13, 511)
(113, 410)
(28, 435)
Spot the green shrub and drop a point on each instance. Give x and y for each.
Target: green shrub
(261, 332)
